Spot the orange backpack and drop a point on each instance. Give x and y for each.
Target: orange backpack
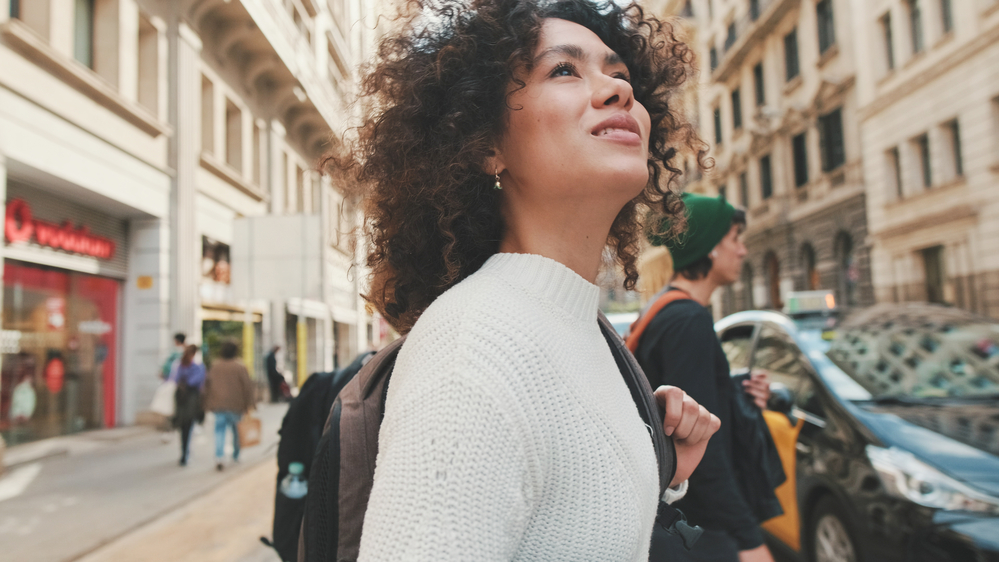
(643, 321)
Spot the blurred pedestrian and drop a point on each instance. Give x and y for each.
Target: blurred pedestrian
(274, 376)
(228, 395)
(506, 148)
(178, 349)
(675, 343)
(189, 376)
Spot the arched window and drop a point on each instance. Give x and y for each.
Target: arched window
(747, 287)
(772, 265)
(848, 271)
(808, 266)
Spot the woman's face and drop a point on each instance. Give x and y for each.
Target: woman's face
(575, 131)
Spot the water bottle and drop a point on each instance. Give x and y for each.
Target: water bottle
(293, 485)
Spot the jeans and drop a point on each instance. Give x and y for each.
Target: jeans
(222, 421)
(185, 440)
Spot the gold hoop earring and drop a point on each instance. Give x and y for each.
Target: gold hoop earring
(497, 186)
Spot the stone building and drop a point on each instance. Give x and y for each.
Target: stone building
(777, 103)
(138, 139)
(928, 98)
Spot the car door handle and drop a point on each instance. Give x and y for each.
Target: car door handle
(802, 448)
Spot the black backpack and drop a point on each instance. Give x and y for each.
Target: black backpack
(301, 430)
(344, 466)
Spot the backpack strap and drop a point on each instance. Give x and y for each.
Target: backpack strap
(641, 393)
(643, 321)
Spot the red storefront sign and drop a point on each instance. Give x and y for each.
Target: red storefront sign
(55, 374)
(20, 226)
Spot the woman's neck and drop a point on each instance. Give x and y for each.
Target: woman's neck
(699, 290)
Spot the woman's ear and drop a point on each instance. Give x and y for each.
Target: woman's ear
(493, 163)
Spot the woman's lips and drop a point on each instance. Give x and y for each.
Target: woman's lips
(619, 128)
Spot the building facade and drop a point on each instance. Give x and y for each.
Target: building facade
(928, 96)
(136, 136)
(777, 103)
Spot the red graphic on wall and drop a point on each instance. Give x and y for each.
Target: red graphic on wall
(20, 226)
(55, 373)
(55, 313)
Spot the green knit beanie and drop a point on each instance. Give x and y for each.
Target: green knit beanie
(708, 221)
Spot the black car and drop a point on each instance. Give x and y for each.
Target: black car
(888, 429)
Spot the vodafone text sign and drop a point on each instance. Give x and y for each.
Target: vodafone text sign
(20, 226)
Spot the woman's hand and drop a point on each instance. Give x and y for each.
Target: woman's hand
(758, 387)
(758, 554)
(690, 425)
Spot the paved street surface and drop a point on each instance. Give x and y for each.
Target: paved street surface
(102, 495)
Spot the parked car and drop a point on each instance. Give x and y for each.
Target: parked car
(887, 425)
(622, 321)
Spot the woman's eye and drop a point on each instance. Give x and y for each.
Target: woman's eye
(563, 69)
(623, 76)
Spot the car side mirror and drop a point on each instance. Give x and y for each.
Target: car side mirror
(781, 398)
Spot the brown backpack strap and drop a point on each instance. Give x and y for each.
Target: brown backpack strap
(362, 403)
(643, 321)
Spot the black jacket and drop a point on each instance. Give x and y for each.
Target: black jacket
(680, 348)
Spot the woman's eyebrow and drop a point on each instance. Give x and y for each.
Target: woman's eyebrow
(577, 53)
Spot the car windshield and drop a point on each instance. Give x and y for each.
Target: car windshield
(904, 352)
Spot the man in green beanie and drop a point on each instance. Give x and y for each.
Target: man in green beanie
(675, 343)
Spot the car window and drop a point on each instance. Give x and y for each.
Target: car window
(780, 358)
(736, 342)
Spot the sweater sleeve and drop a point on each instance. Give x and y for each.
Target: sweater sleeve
(451, 479)
(684, 353)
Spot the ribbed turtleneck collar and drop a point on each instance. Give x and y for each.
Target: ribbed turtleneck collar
(550, 280)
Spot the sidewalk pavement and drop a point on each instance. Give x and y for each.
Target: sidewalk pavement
(64, 498)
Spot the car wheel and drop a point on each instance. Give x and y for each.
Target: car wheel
(831, 539)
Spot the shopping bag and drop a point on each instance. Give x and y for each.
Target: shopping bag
(249, 431)
(163, 399)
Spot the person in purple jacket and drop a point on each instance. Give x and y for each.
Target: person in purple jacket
(190, 378)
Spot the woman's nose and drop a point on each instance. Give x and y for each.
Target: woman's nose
(613, 91)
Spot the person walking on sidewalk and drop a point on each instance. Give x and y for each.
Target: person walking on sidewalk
(228, 394)
(178, 349)
(189, 375)
(274, 377)
(675, 344)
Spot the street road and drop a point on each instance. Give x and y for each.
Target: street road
(105, 486)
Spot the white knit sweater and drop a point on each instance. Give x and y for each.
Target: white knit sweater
(509, 433)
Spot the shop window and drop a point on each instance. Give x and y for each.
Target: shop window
(808, 265)
(83, 32)
(827, 28)
(234, 136)
(59, 371)
(831, 136)
(149, 65)
(921, 149)
(791, 54)
(946, 16)
(894, 171)
(718, 125)
(215, 264)
(916, 25)
(744, 190)
(207, 115)
(761, 94)
(848, 270)
(935, 276)
(886, 36)
(773, 280)
(766, 178)
(799, 149)
(736, 109)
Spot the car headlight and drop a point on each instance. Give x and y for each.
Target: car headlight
(904, 476)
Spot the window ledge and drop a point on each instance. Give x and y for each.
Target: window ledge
(23, 38)
(830, 54)
(792, 84)
(955, 184)
(229, 175)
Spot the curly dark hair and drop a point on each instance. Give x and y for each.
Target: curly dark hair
(435, 104)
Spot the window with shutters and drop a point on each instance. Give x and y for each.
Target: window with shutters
(766, 178)
(827, 28)
(952, 135)
(791, 54)
(730, 36)
(887, 38)
(718, 126)
(946, 16)
(744, 190)
(800, 153)
(831, 135)
(761, 94)
(916, 25)
(921, 149)
(893, 165)
(713, 55)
